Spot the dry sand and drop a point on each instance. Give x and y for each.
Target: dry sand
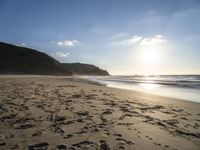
(44, 112)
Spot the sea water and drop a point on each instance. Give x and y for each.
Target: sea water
(186, 87)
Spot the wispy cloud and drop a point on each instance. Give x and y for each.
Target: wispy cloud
(157, 39)
(135, 39)
(62, 54)
(127, 42)
(139, 40)
(68, 43)
(23, 44)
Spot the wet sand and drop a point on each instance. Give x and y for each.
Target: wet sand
(46, 112)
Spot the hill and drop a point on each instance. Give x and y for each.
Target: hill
(84, 69)
(20, 60)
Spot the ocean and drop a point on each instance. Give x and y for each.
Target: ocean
(185, 87)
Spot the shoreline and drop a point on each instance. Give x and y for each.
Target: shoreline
(132, 90)
(78, 79)
(181, 93)
(52, 112)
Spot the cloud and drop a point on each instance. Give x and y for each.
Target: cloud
(60, 43)
(139, 40)
(157, 39)
(62, 54)
(127, 42)
(135, 39)
(68, 43)
(23, 44)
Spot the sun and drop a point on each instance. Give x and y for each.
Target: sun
(149, 59)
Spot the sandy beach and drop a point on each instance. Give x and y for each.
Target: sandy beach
(47, 112)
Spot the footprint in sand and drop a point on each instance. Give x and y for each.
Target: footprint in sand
(37, 133)
(2, 144)
(148, 137)
(43, 146)
(166, 146)
(68, 136)
(84, 144)
(107, 112)
(157, 144)
(103, 145)
(123, 140)
(62, 147)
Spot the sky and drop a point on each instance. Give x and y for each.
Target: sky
(125, 37)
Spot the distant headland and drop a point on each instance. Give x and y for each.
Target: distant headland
(21, 60)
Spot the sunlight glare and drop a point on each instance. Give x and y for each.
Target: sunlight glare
(149, 58)
(149, 86)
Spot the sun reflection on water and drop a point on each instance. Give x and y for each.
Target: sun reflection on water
(148, 86)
